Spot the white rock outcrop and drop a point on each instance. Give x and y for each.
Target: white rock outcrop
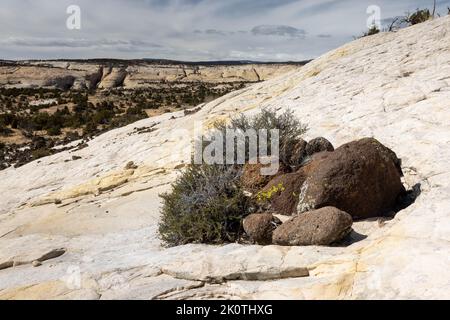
(392, 86)
(129, 75)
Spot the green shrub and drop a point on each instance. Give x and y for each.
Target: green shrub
(40, 153)
(90, 128)
(421, 15)
(206, 205)
(290, 130)
(5, 131)
(72, 135)
(54, 131)
(138, 110)
(7, 119)
(372, 31)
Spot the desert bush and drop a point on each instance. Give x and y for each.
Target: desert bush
(5, 131)
(40, 153)
(421, 15)
(7, 119)
(206, 205)
(54, 131)
(290, 130)
(90, 128)
(372, 31)
(72, 135)
(102, 116)
(138, 110)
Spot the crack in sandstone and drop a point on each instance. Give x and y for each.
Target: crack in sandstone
(174, 291)
(126, 194)
(9, 232)
(52, 254)
(244, 275)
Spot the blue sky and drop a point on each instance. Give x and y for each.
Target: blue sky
(264, 30)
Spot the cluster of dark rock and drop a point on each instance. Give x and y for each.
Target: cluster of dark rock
(326, 192)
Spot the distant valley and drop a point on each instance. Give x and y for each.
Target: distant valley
(45, 104)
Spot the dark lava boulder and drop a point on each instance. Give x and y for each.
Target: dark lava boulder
(259, 227)
(252, 179)
(362, 178)
(285, 189)
(282, 193)
(319, 227)
(294, 153)
(318, 145)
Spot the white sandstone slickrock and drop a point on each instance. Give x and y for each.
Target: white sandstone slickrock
(392, 86)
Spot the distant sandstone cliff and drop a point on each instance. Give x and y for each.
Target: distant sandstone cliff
(129, 75)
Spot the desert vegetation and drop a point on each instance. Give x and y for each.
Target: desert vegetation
(372, 31)
(56, 117)
(408, 19)
(319, 189)
(419, 16)
(208, 202)
(206, 205)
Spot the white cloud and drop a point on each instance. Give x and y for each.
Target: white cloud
(278, 30)
(187, 29)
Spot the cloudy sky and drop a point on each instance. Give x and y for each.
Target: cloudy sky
(263, 30)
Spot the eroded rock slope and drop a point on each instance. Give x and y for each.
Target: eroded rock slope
(103, 218)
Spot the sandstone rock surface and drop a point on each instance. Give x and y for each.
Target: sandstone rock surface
(392, 86)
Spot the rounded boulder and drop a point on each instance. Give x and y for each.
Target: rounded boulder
(319, 227)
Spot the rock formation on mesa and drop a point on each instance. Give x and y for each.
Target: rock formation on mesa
(394, 87)
(93, 74)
